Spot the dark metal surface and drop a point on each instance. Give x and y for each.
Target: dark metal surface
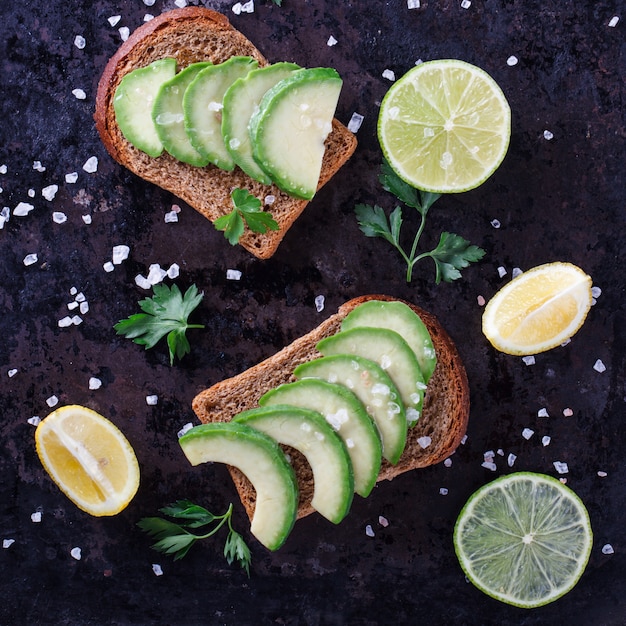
(558, 199)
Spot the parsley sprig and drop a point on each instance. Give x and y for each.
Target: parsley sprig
(246, 208)
(166, 313)
(452, 253)
(176, 539)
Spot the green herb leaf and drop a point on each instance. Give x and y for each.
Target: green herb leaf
(194, 515)
(235, 548)
(452, 254)
(165, 314)
(246, 209)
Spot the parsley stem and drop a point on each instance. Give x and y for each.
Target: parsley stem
(412, 259)
(222, 520)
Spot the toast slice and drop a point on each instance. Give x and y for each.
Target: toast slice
(444, 416)
(190, 35)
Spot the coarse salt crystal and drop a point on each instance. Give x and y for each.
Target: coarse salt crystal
(114, 20)
(35, 517)
(355, 122)
(180, 3)
(602, 474)
(331, 41)
(490, 465)
(58, 217)
(596, 292)
(108, 266)
(443, 491)
(512, 60)
(80, 297)
(3, 169)
(72, 305)
(171, 217)
(34, 420)
(91, 165)
(173, 271)
(236, 8)
(80, 42)
(49, 192)
(480, 300)
(545, 440)
(156, 568)
(248, 7)
(71, 178)
(501, 271)
(233, 275)
(186, 428)
(413, 4)
(23, 209)
(528, 360)
(599, 366)
(95, 383)
(383, 521)
(7, 543)
(12, 372)
(495, 223)
(527, 433)
(152, 400)
(77, 320)
(147, 17)
(389, 75)
(120, 253)
(270, 199)
(614, 21)
(465, 4)
(319, 303)
(542, 413)
(124, 32)
(31, 192)
(424, 441)
(84, 307)
(548, 135)
(515, 272)
(561, 467)
(149, 3)
(52, 401)
(142, 281)
(156, 274)
(448, 462)
(607, 548)
(30, 259)
(64, 322)
(369, 531)
(510, 460)
(464, 440)
(79, 94)
(76, 553)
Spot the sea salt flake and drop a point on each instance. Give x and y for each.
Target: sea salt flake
(11, 373)
(7, 543)
(512, 60)
(52, 401)
(542, 413)
(480, 300)
(495, 223)
(120, 253)
(91, 165)
(114, 20)
(71, 178)
(355, 122)
(510, 460)
(49, 192)
(149, 3)
(413, 4)
(561, 467)
(443, 491)
(464, 440)
(79, 94)
(548, 135)
(383, 521)
(465, 4)
(80, 296)
(186, 428)
(58, 217)
(94, 383)
(599, 366)
(22, 209)
(515, 272)
(248, 7)
(3, 169)
(180, 3)
(77, 320)
(545, 440)
(501, 271)
(108, 266)
(124, 32)
(64, 322)
(147, 17)
(607, 548)
(86, 219)
(171, 217)
(596, 292)
(389, 75)
(35, 517)
(614, 21)
(369, 531)
(142, 281)
(156, 568)
(76, 553)
(173, 271)
(84, 307)
(319, 303)
(80, 42)
(156, 274)
(331, 41)
(152, 400)
(72, 305)
(34, 420)
(528, 360)
(490, 465)
(602, 474)
(233, 275)
(527, 433)
(424, 441)
(30, 259)
(236, 8)
(448, 462)
(270, 199)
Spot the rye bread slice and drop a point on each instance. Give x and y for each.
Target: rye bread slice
(190, 35)
(444, 418)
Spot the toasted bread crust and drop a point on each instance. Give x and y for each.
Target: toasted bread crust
(444, 417)
(191, 35)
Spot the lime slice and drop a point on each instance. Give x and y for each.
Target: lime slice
(524, 539)
(445, 126)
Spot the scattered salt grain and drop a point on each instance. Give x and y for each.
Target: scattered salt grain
(7, 543)
(120, 253)
(52, 401)
(448, 462)
(187, 427)
(180, 3)
(515, 272)
(84, 308)
(599, 366)
(248, 7)
(35, 517)
(480, 300)
(465, 4)
(11, 373)
(561, 467)
(30, 259)
(389, 75)
(79, 94)
(49, 192)
(443, 491)
(545, 440)
(355, 122)
(95, 383)
(71, 178)
(528, 360)
(108, 266)
(156, 274)
(22, 209)
(173, 271)
(510, 460)
(236, 8)
(543, 412)
(512, 60)
(424, 441)
(77, 320)
(495, 223)
(152, 400)
(86, 219)
(91, 165)
(613, 21)
(64, 322)
(413, 4)
(149, 3)
(124, 32)
(501, 271)
(156, 568)
(80, 42)
(490, 465)
(383, 521)
(59, 217)
(369, 531)
(76, 553)
(147, 17)
(602, 474)
(319, 303)
(114, 20)
(548, 135)
(331, 41)
(464, 440)
(171, 217)
(270, 199)
(3, 169)
(142, 281)
(72, 305)
(607, 548)
(527, 433)
(31, 192)
(34, 420)
(233, 275)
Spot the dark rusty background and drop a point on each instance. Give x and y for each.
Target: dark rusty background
(559, 199)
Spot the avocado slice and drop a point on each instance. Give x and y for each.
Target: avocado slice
(348, 417)
(308, 432)
(400, 317)
(290, 127)
(373, 387)
(133, 102)
(168, 116)
(263, 462)
(203, 104)
(240, 101)
(388, 349)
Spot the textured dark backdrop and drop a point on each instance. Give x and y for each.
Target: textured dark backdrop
(557, 199)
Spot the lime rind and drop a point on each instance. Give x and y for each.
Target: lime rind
(524, 539)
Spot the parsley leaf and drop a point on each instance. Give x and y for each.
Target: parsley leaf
(165, 314)
(246, 208)
(452, 254)
(176, 540)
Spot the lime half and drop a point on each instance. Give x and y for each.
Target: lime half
(524, 539)
(444, 126)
